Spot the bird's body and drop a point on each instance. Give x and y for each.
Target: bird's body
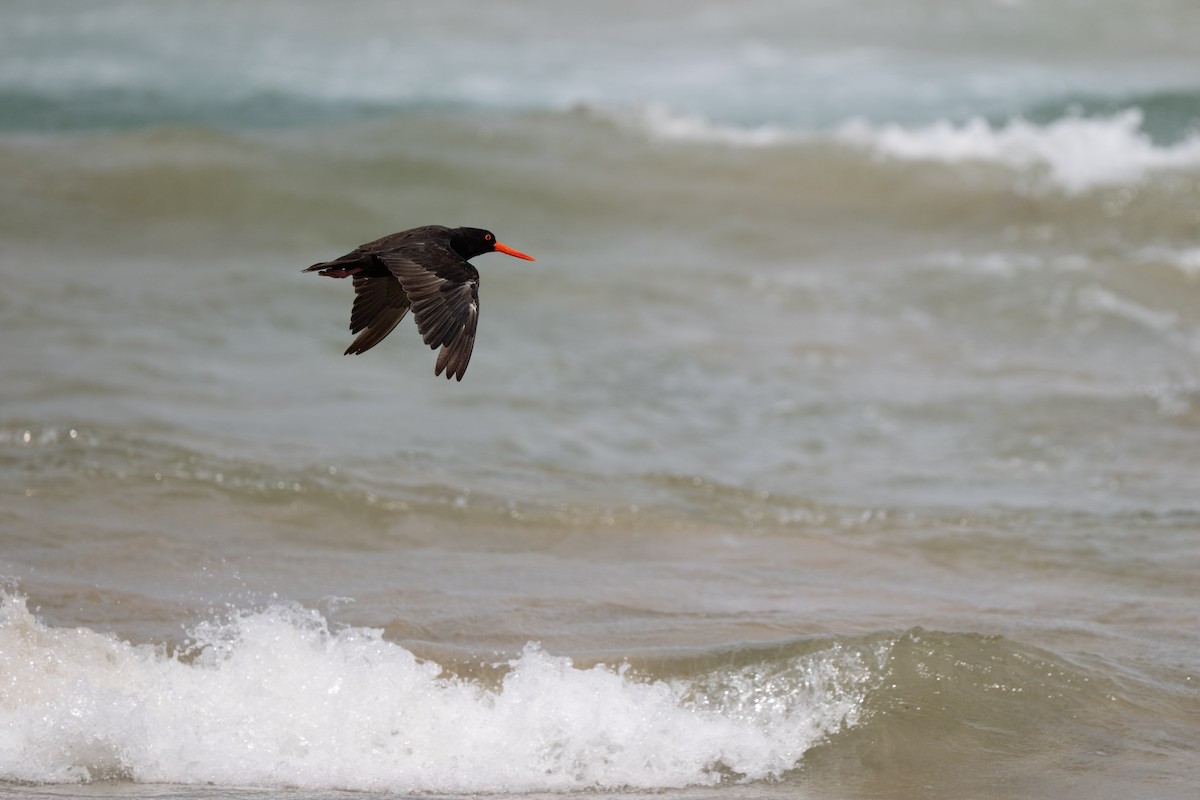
(425, 269)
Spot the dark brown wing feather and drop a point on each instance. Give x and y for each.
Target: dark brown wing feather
(379, 305)
(444, 292)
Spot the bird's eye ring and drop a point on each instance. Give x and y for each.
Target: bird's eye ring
(487, 237)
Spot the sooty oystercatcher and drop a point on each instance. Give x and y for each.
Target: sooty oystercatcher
(424, 269)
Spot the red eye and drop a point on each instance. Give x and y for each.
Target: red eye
(487, 237)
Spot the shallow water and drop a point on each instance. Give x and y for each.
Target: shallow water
(841, 442)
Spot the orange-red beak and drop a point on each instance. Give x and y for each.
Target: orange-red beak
(508, 251)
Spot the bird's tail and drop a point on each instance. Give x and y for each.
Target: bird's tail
(350, 264)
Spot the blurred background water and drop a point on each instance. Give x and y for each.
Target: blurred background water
(843, 440)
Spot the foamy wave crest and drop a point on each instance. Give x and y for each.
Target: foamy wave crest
(1074, 154)
(1077, 153)
(277, 698)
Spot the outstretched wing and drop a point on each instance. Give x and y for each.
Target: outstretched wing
(444, 293)
(379, 305)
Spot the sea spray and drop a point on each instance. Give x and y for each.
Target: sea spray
(279, 697)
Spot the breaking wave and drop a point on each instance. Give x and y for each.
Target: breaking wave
(1073, 153)
(278, 697)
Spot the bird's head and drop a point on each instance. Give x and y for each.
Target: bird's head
(471, 242)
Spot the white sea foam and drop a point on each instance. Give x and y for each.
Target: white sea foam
(275, 697)
(1076, 154)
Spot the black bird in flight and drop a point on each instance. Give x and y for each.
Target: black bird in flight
(425, 269)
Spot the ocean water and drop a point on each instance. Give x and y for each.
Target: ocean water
(842, 442)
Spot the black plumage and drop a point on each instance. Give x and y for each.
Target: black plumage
(425, 269)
